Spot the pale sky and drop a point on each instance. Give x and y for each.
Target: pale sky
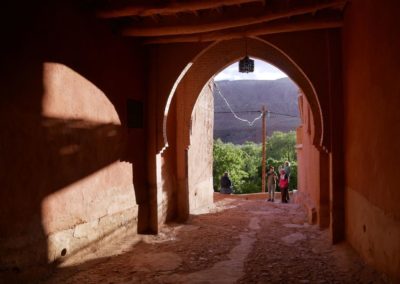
(262, 71)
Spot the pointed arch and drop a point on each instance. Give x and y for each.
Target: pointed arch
(219, 55)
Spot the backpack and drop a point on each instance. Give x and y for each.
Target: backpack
(283, 181)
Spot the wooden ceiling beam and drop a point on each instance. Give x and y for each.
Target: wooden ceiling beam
(265, 29)
(168, 8)
(203, 27)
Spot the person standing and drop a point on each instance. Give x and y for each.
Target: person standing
(271, 183)
(287, 169)
(226, 184)
(284, 185)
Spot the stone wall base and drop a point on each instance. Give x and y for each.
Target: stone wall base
(304, 200)
(373, 233)
(81, 243)
(24, 258)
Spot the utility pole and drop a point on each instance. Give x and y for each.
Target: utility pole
(264, 134)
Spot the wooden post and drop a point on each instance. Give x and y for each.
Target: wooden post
(263, 150)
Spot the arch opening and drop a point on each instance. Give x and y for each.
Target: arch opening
(255, 120)
(219, 55)
(195, 81)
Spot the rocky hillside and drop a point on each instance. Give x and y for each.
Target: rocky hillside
(279, 96)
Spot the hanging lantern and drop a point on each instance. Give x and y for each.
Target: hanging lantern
(246, 65)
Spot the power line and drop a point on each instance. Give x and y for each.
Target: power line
(246, 111)
(251, 123)
(253, 111)
(240, 111)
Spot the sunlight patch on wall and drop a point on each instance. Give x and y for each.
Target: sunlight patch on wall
(77, 216)
(68, 95)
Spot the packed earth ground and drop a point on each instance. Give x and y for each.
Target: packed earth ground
(244, 239)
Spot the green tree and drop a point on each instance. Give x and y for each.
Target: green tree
(252, 160)
(243, 162)
(282, 146)
(253, 157)
(228, 158)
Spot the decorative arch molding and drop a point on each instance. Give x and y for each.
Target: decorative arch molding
(218, 56)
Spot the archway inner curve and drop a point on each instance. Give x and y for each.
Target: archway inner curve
(219, 55)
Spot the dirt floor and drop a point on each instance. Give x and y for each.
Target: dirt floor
(245, 239)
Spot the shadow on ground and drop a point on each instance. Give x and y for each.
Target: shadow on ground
(245, 239)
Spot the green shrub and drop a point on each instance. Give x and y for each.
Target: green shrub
(243, 162)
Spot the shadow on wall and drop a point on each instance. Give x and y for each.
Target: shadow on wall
(40, 158)
(40, 155)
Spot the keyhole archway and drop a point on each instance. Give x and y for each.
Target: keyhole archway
(194, 78)
(220, 55)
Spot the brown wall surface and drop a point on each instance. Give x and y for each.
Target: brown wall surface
(308, 164)
(71, 172)
(313, 170)
(371, 45)
(168, 202)
(167, 64)
(65, 79)
(311, 52)
(166, 174)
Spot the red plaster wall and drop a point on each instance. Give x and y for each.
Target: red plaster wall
(310, 51)
(186, 185)
(64, 83)
(165, 173)
(69, 97)
(371, 45)
(167, 64)
(308, 164)
(169, 164)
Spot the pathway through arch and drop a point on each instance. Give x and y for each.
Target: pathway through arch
(245, 239)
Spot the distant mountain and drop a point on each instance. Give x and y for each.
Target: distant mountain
(279, 96)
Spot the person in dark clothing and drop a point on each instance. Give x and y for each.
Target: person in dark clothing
(226, 184)
(271, 183)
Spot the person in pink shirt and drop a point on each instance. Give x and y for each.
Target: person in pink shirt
(284, 185)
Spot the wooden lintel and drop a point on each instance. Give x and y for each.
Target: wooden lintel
(265, 29)
(194, 28)
(168, 8)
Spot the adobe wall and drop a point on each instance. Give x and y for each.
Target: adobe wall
(167, 197)
(308, 164)
(67, 179)
(166, 167)
(371, 87)
(94, 206)
(313, 186)
(314, 53)
(167, 67)
(200, 153)
(187, 161)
